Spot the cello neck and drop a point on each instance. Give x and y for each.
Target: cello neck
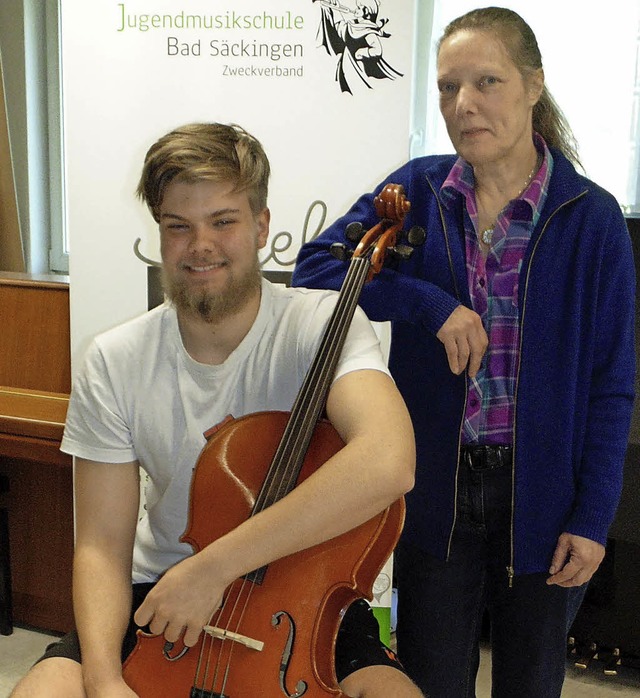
(391, 206)
(309, 405)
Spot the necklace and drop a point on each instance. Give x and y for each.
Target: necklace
(487, 234)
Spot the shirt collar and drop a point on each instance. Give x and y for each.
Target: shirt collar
(460, 180)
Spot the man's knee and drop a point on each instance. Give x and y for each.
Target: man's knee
(380, 682)
(55, 677)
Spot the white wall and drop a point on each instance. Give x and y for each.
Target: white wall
(123, 89)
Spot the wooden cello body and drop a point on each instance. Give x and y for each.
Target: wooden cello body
(274, 635)
(295, 610)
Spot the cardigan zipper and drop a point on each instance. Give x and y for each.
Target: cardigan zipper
(466, 386)
(511, 566)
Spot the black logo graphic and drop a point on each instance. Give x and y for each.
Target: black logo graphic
(355, 36)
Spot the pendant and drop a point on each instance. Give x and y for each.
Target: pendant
(486, 235)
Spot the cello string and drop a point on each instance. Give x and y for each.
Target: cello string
(296, 437)
(198, 684)
(210, 640)
(306, 411)
(283, 455)
(245, 587)
(308, 405)
(241, 587)
(202, 671)
(219, 667)
(200, 659)
(311, 399)
(333, 342)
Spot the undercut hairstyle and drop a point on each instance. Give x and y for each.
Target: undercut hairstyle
(205, 152)
(522, 47)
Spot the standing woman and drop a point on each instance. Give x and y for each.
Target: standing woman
(513, 347)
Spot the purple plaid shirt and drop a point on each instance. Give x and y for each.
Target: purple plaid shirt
(493, 287)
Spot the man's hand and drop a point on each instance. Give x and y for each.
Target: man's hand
(464, 339)
(183, 600)
(574, 561)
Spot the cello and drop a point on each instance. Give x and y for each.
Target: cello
(274, 634)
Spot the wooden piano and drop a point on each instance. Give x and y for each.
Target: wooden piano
(35, 380)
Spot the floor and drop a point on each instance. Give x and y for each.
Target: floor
(18, 651)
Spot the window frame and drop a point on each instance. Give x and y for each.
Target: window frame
(428, 135)
(58, 240)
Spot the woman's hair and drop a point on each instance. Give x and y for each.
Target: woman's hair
(211, 152)
(522, 47)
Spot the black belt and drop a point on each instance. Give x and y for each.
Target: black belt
(483, 458)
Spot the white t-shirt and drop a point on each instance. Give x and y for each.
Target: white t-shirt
(140, 396)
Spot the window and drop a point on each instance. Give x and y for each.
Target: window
(592, 68)
(59, 245)
(29, 41)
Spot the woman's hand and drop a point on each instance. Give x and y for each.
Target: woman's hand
(575, 560)
(464, 339)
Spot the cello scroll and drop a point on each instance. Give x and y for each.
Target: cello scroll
(391, 206)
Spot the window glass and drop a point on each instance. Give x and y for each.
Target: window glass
(59, 249)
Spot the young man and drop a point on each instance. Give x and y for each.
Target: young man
(227, 342)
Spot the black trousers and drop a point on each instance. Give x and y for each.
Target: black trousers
(441, 605)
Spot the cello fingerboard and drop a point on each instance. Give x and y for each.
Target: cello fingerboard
(257, 577)
(201, 693)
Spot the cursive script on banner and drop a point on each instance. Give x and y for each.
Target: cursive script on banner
(281, 242)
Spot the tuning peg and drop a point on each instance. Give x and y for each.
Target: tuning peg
(340, 251)
(354, 232)
(400, 252)
(416, 235)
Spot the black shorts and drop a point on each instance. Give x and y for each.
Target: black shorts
(358, 643)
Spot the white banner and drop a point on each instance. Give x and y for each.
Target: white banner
(325, 86)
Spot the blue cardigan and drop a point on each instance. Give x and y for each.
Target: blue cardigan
(575, 385)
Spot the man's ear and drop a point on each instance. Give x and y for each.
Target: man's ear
(263, 220)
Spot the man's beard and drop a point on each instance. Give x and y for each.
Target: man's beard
(214, 306)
